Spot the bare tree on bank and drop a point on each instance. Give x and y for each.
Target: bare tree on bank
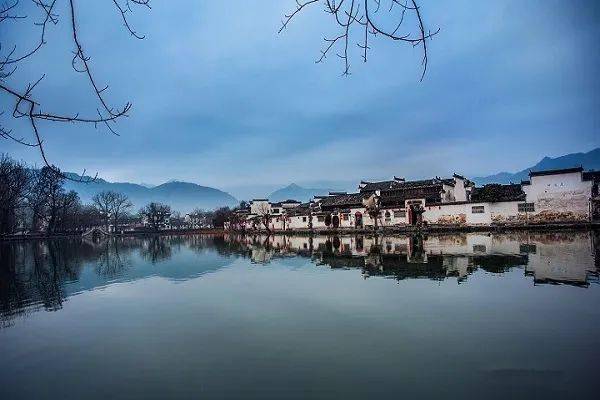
(103, 202)
(59, 202)
(156, 214)
(121, 206)
(389, 19)
(112, 206)
(48, 201)
(35, 200)
(37, 195)
(200, 218)
(14, 181)
(220, 215)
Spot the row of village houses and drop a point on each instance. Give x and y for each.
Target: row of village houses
(550, 196)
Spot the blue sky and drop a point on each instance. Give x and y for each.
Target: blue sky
(220, 99)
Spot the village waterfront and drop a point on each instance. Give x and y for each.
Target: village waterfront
(503, 315)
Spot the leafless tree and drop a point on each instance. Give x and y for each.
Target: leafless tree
(121, 206)
(199, 217)
(14, 181)
(82, 217)
(104, 203)
(397, 20)
(47, 200)
(220, 216)
(156, 214)
(237, 222)
(26, 105)
(372, 205)
(59, 203)
(264, 215)
(177, 221)
(38, 195)
(111, 205)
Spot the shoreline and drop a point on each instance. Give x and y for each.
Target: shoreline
(401, 230)
(182, 232)
(447, 229)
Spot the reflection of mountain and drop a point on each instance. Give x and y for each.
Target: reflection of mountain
(41, 275)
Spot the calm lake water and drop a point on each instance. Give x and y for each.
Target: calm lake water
(453, 316)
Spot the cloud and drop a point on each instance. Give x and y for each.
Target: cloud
(221, 99)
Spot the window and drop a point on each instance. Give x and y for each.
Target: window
(528, 248)
(276, 211)
(526, 207)
(387, 216)
(345, 217)
(303, 219)
(400, 214)
(478, 209)
(320, 218)
(359, 244)
(479, 248)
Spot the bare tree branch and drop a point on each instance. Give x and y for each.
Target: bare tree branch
(26, 106)
(361, 14)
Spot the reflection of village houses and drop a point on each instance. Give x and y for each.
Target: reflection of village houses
(553, 196)
(560, 257)
(39, 275)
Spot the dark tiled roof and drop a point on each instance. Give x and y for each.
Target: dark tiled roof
(373, 186)
(290, 201)
(302, 209)
(343, 200)
(556, 171)
(495, 192)
(386, 185)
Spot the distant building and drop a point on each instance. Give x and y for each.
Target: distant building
(565, 195)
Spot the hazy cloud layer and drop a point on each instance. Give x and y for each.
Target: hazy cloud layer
(221, 99)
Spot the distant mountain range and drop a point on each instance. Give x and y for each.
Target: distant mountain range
(185, 196)
(296, 192)
(589, 160)
(181, 196)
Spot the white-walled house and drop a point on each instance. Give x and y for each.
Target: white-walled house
(559, 194)
(565, 195)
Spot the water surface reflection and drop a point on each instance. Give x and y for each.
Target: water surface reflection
(37, 275)
(42, 274)
(352, 317)
(561, 257)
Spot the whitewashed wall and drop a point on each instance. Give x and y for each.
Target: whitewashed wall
(560, 194)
